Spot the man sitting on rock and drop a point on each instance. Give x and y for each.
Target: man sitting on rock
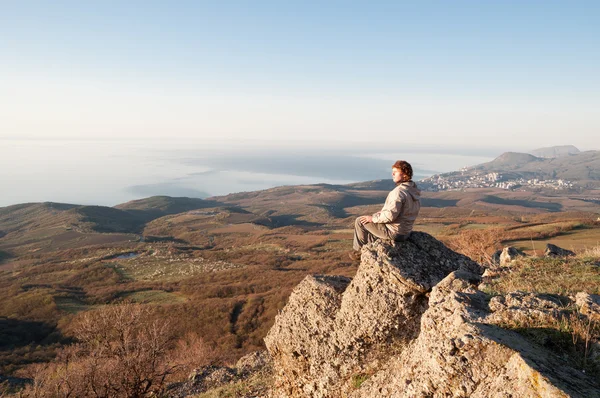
(395, 220)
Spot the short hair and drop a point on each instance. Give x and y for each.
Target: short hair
(404, 167)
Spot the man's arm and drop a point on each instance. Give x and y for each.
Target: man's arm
(390, 210)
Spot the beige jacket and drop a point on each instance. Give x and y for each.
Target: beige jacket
(400, 209)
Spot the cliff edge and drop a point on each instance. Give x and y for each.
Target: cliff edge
(412, 323)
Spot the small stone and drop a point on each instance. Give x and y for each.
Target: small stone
(555, 251)
(509, 254)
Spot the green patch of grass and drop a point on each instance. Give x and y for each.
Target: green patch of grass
(550, 275)
(358, 380)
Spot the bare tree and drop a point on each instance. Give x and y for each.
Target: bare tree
(121, 352)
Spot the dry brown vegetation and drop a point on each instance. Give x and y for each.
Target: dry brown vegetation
(223, 273)
(120, 351)
(478, 244)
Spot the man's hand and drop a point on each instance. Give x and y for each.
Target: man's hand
(366, 219)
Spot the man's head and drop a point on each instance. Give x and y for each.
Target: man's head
(401, 171)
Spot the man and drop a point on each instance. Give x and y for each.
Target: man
(396, 218)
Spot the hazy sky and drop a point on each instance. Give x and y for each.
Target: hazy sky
(459, 73)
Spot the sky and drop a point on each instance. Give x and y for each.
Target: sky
(460, 74)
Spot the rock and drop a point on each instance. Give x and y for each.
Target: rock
(589, 304)
(253, 362)
(520, 308)
(589, 309)
(496, 257)
(413, 323)
(555, 251)
(509, 254)
(331, 325)
(211, 377)
(461, 352)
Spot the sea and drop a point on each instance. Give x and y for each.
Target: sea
(109, 172)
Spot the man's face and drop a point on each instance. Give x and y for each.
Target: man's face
(396, 175)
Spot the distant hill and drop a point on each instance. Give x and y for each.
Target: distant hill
(583, 166)
(29, 217)
(555, 151)
(158, 206)
(49, 226)
(108, 219)
(523, 171)
(508, 161)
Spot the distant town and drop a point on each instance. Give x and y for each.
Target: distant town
(462, 180)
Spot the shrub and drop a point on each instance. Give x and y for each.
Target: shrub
(478, 244)
(121, 352)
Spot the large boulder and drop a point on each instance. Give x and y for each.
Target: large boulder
(332, 327)
(412, 323)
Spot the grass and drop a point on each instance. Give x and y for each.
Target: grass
(551, 275)
(358, 380)
(572, 335)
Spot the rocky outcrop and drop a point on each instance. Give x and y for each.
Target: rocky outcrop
(412, 323)
(462, 352)
(331, 326)
(555, 251)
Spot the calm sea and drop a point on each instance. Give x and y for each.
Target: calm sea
(113, 172)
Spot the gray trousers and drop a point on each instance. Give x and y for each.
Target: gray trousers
(370, 232)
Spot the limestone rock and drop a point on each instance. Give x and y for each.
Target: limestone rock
(589, 304)
(509, 254)
(522, 308)
(413, 323)
(460, 352)
(555, 251)
(332, 326)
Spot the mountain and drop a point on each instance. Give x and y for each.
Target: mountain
(579, 167)
(514, 170)
(509, 161)
(555, 151)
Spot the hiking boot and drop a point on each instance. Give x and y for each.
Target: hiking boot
(354, 255)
